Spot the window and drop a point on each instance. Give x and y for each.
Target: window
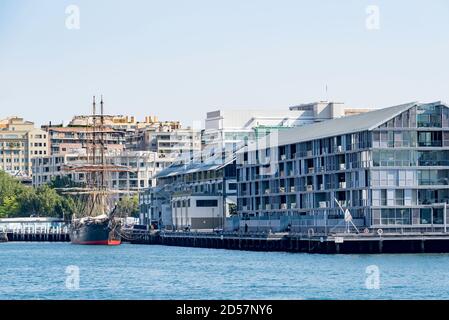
(232, 186)
(206, 203)
(430, 139)
(395, 216)
(429, 116)
(399, 197)
(426, 215)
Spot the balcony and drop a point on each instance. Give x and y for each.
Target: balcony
(292, 189)
(323, 204)
(342, 203)
(342, 185)
(342, 166)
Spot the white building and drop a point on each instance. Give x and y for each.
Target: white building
(143, 166)
(196, 195)
(46, 169)
(229, 129)
(168, 141)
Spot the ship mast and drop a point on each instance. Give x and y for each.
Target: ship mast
(96, 197)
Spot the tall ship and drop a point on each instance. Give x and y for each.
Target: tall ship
(95, 221)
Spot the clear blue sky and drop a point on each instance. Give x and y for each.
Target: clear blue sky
(179, 59)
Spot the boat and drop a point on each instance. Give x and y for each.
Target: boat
(95, 221)
(95, 231)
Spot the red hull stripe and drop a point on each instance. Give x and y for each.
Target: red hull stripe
(100, 243)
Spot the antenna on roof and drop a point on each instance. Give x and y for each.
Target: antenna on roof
(93, 106)
(101, 103)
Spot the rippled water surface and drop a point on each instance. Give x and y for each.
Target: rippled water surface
(47, 270)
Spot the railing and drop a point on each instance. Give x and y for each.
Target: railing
(36, 230)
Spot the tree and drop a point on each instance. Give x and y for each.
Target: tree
(10, 190)
(28, 202)
(18, 200)
(9, 207)
(128, 206)
(232, 209)
(48, 200)
(67, 207)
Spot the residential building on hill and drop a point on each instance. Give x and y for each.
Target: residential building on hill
(20, 143)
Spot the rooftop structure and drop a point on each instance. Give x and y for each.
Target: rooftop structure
(229, 130)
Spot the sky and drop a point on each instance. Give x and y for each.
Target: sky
(180, 59)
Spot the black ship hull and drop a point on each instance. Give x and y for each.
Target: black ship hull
(94, 233)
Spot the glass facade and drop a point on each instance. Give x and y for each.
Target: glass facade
(394, 174)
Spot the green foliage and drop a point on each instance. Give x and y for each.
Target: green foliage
(17, 200)
(232, 209)
(128, 206)
(9, 206)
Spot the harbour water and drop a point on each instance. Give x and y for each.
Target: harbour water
(48, 270)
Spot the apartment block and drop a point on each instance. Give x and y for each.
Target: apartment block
(388, 167)
(195, 196)
(48, 168)
(20, 143)
(71, 140)
(168, 141)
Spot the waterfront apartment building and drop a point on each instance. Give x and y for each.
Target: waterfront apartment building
(195, 196)
(229, 130)
(20, 143)
(389, 167)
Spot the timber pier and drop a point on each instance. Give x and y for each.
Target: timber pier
(36, 235)
(339, 243)
(298, 243)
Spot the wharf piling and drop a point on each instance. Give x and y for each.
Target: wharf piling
(38, 235)
(298, 243)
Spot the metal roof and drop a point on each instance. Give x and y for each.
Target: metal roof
(340, 126)
(192, 167)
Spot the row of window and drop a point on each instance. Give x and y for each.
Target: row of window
(407, 216)
(199, 203)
